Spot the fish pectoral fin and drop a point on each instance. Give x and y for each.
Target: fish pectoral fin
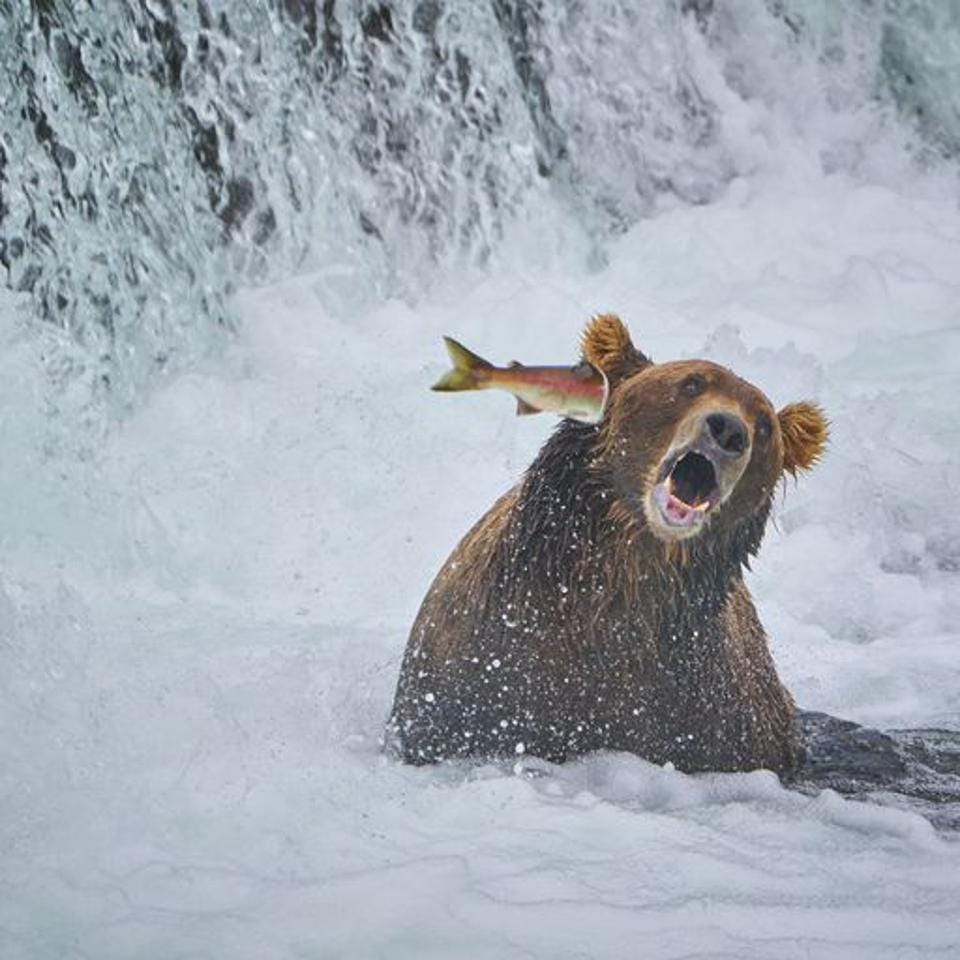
(525, 409)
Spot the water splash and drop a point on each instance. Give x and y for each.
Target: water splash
(159, 154)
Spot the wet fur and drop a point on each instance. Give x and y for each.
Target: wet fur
(561, 625)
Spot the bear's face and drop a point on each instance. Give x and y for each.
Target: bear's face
(686, 438)
(691, 447)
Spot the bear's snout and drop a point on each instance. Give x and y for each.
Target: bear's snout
(698, 474)
(729, 433)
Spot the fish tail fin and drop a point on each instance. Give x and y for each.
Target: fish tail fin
(465, 374)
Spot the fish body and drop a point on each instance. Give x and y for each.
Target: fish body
(579, 392)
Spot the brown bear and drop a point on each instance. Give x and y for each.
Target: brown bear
(600, 603)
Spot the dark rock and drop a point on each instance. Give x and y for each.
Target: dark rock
(911, 769)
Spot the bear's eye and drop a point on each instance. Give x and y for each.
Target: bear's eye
(763, 427)
(693, 386)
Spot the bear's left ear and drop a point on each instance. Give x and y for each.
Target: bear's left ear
(607, 345)
(805, 431)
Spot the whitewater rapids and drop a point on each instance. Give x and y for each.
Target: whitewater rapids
(204, 598)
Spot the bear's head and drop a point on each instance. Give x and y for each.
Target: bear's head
(690, 449)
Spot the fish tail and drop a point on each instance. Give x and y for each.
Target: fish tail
(465, 374)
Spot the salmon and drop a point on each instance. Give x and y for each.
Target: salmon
(579, 392)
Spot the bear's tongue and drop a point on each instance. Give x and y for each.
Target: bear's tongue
(678, 509)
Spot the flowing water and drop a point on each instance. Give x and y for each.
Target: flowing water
(231, 235)
(155, 155)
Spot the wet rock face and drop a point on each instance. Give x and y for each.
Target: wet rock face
(847, 756)
(183, 145)
(157, 153)
(913, 769)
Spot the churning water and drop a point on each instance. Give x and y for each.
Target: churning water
(232, 234)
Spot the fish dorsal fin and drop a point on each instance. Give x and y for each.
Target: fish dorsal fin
(514, 363)
(525, 409)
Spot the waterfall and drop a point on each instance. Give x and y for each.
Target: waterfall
(156, 154)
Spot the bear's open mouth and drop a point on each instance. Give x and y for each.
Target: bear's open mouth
(687, 490)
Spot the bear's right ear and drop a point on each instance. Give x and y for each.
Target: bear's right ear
(607, 345)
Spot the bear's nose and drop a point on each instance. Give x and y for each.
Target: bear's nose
(729, 432)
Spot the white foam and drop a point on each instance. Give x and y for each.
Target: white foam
(201, 620)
